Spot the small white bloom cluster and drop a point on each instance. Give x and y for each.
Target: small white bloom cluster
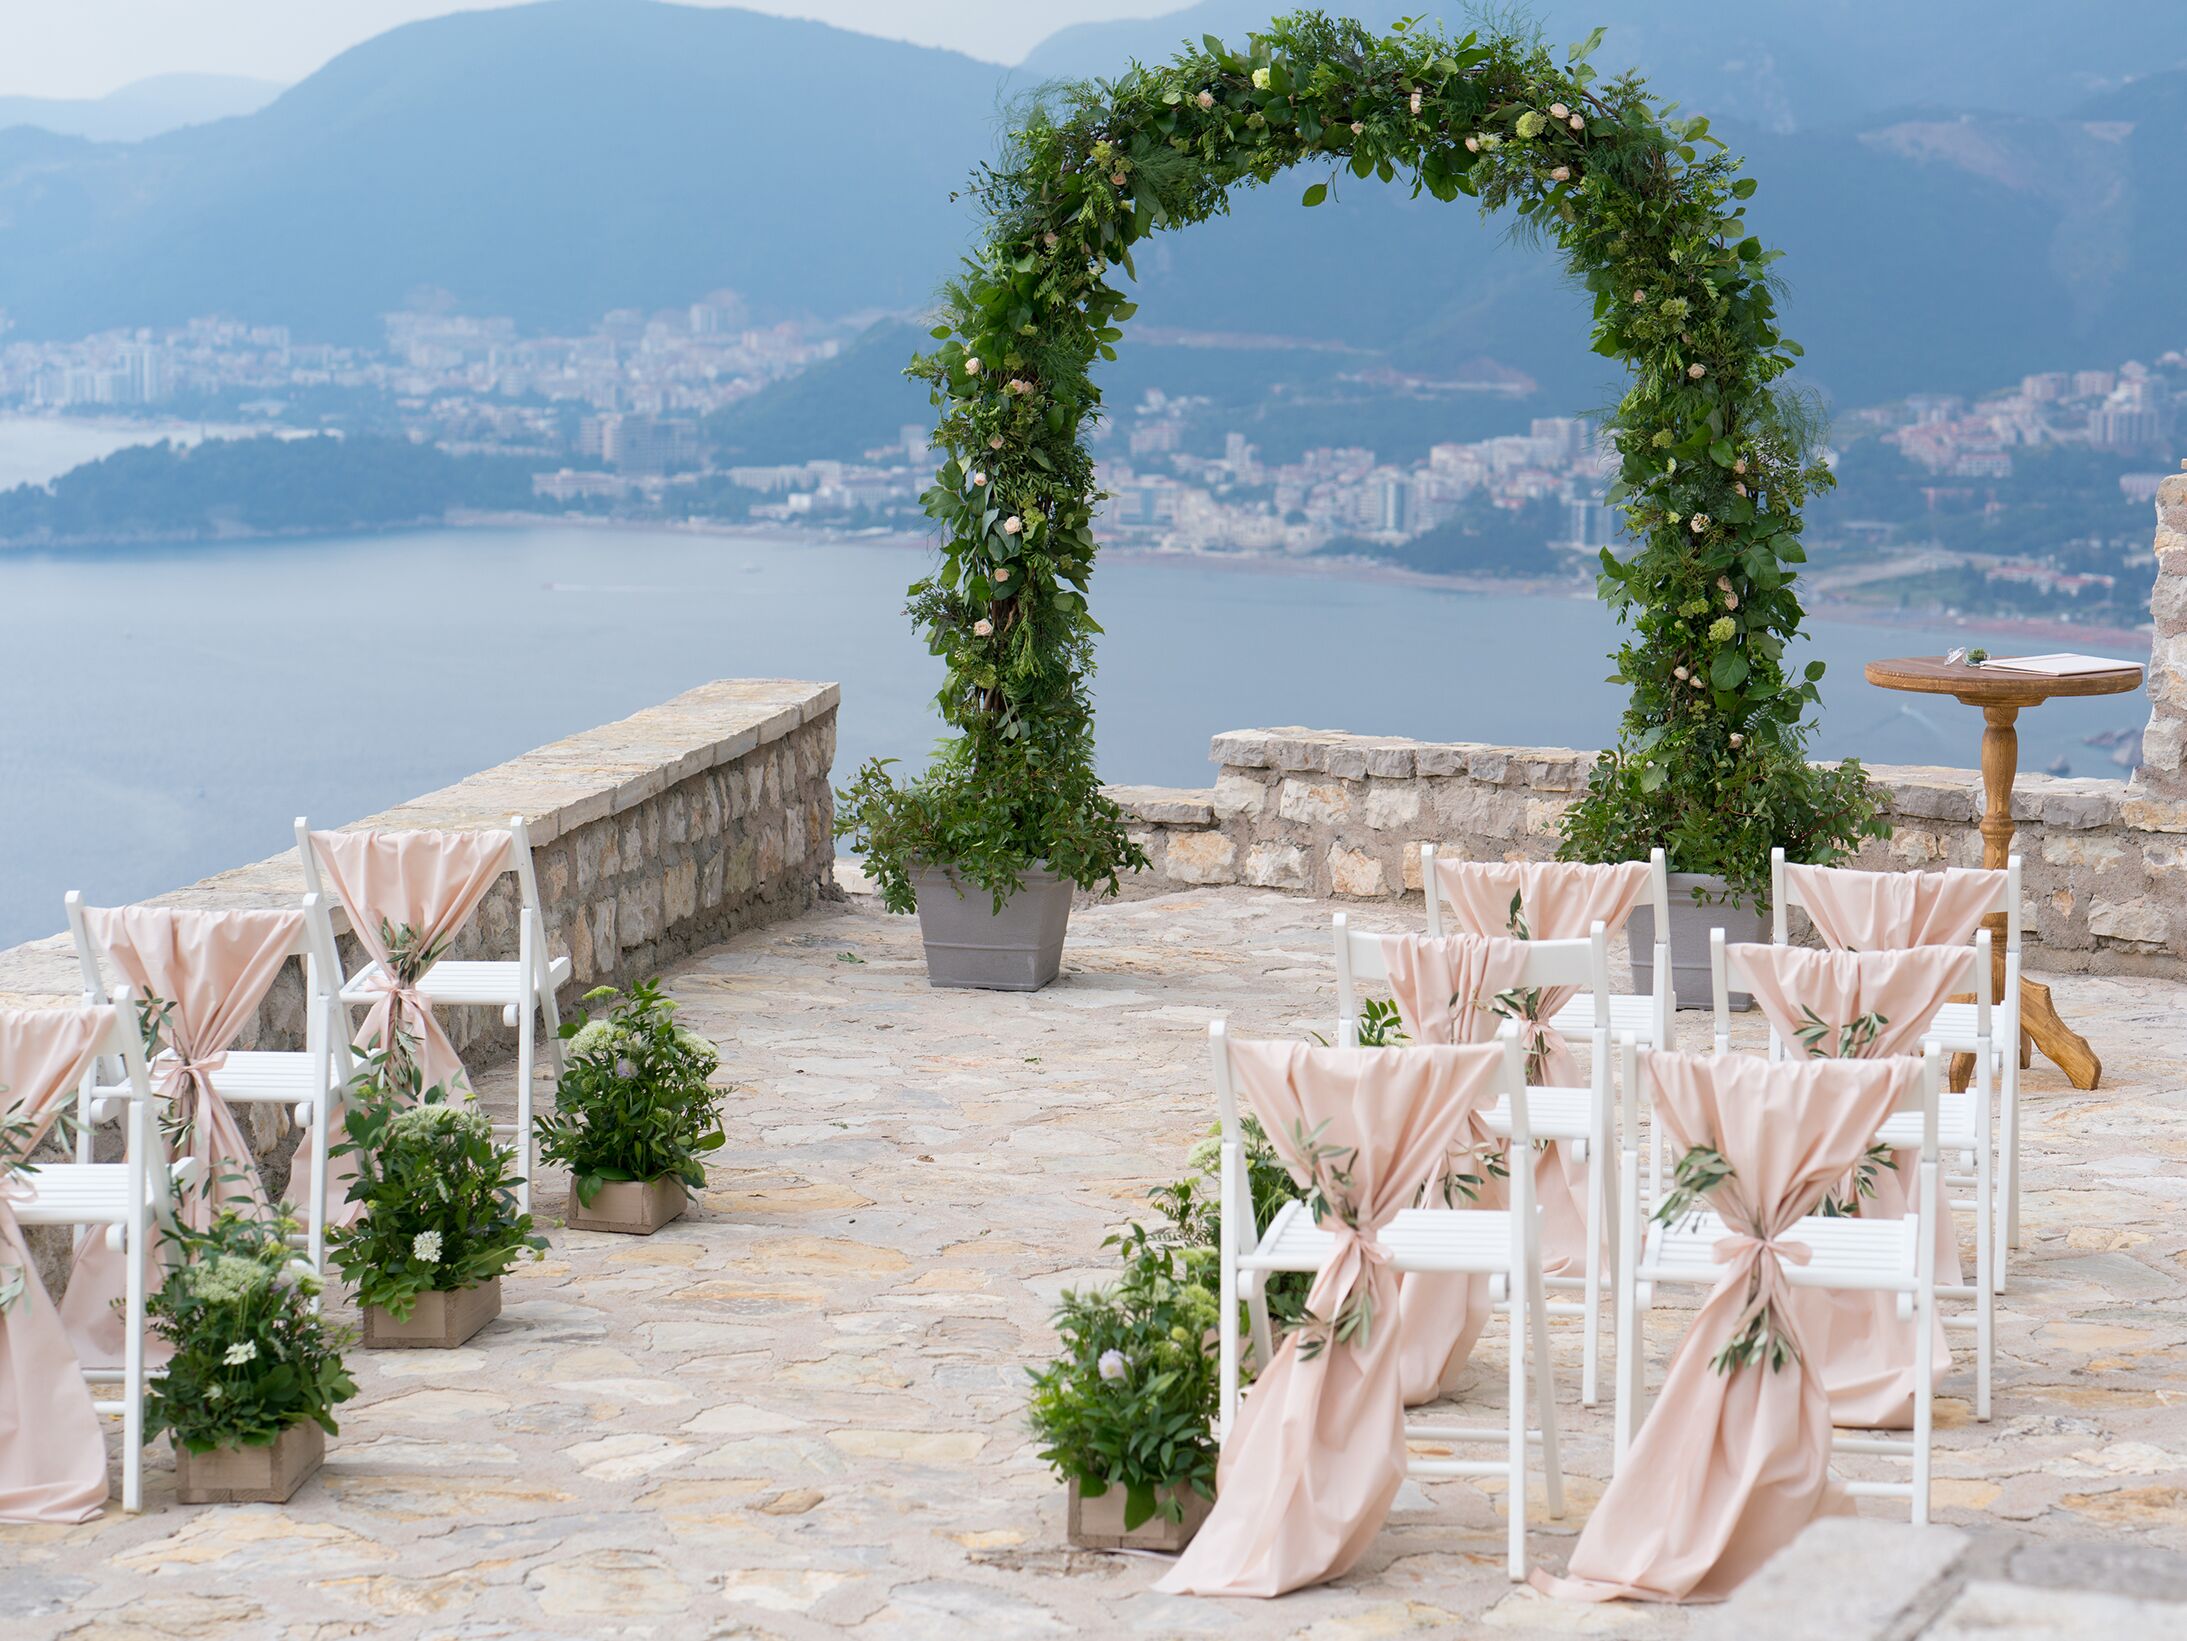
(1260, 79)
(426, 1246)
(425, 1122)
(1697, 370)
(1562, 173)
(983, 629)
(1012, 525)
(227, 1278)
(236, 1355)
(1112, 1365)
(1205, 99)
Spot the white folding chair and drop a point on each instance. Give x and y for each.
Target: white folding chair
(1872, 1256)
(1645, 1017)
(1500, 1243)
(1963, 1129)
(1578, 1117)
(522, 988)
(1955, 1030)
(308, 1082)
(123, 1200)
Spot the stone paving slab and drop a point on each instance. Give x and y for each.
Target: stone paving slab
(799, 1412)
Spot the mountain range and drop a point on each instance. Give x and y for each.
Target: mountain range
(142, 108)
(1964, 191)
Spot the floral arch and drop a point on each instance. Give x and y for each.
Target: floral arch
(1714, 460)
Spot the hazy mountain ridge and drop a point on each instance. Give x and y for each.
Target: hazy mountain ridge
(143, 108)
(553, 161)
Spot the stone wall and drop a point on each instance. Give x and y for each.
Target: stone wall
(2104, 863)
(667, 831)
(1325, 813)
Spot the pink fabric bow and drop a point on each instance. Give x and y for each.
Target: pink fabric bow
(429, 882)
(1864, 1353)
(1318, 1451)
(1560, 900)
(1445, 989)
(52, 1453)
(1729, 1467)
(214, 969)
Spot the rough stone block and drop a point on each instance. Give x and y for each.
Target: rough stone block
(1390, 759)
(1314, 803)
(1238, 796)
(1843, 1579)
(1200, 857)
(1278, 866)
(1243, 749)
(1392, 805)
(2137, 920)
(1165, 805)
(1357, 874)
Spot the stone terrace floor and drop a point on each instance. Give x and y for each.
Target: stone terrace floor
(799, 1411)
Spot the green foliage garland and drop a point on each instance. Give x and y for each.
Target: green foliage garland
(1715, 460)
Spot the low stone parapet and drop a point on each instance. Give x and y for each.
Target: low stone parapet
(652, 836)
(1322, 812)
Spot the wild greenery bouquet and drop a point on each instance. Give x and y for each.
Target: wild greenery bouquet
(1193, 1206)
(438, 1195)
(251, 1357)
(1130, 1400)
(634, 1102)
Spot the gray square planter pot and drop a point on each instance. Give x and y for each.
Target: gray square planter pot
(1690, 926)
(251, 1475)
(969, 943)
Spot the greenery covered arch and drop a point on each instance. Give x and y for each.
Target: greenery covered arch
(1714, 460)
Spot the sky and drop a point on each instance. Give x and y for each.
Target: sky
(87, 48)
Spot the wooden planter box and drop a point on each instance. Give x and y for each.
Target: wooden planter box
(251, 1475)
(1098, 1523)
(632, 1206)
(438, 1321)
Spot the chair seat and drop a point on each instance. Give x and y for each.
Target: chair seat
(1418, 1239)
(250, 1075)
(1955, 1130)
(71, 1193)
(495, 984)
(1551, 1114)
(1630, 1015)
(1956, 1028)
(1847, 1253)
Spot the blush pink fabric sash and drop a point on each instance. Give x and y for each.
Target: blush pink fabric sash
(430, 882)
(1728, 1468)
(1561, 900)
(1318, 1451)
(213, 968)
(1863, 1351)
(1445, 988)
(1889, 911)
(52, 1453)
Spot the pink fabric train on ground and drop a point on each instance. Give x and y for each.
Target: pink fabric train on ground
(52, 1452)
(1729, 1467)
(1318, 1452)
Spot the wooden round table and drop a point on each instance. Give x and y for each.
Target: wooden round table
(2001, 694)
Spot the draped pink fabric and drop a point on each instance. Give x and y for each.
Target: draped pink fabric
(1445, 988)
(1729, 1467)
(1863, 1351)
(1318, 1451)
(52, 1454)
(1889, 911)
(1561, 900)
(214, 968)
(430, 882)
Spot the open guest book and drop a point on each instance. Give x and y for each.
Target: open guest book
(2055, 666)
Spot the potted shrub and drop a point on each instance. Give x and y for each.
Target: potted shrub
(1126, 1409)
(634, 1112)
(249, 1393)
(440, 1222)
(987, 847)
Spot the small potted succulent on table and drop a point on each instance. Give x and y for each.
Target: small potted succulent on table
(1126, 1409)
(249, 1393)
(633, 1114)
(440, 1222)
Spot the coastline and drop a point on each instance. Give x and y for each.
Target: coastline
(1365, 571)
